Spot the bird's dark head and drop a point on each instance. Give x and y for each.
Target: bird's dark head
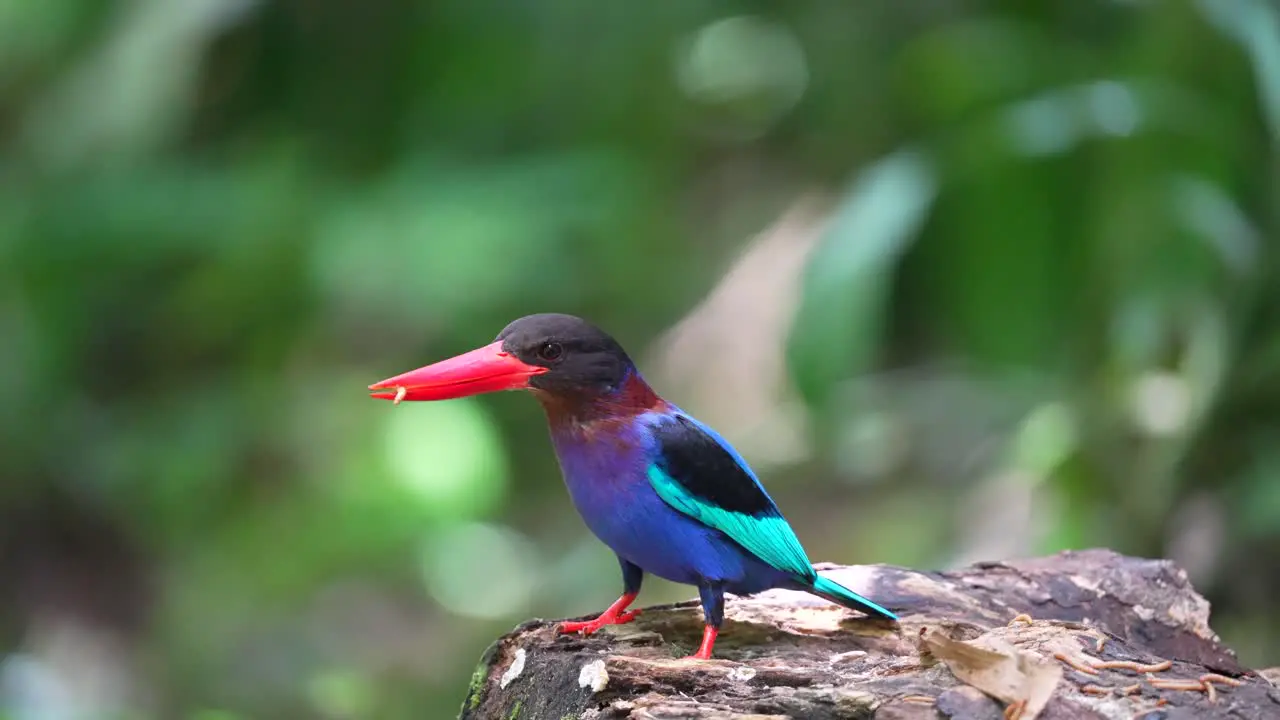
(579, 358)
(559, 356)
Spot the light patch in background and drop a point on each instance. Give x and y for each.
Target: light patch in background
(1046, 438)
(341, 694)
(574, 580)
(746, 317)
(444, 233)
(1205, 209)
(134, 90)
(1197, 537)
(1160, 403)
(480, 570)
(1055, 122)
(1115, 108)
(1255, 24)
(71, 670)
(1005, 515)
(754, 69)
(1016, 503)
(449, 454)
(873, 444)
(848, 281)
(30, 689)
(1040, 126)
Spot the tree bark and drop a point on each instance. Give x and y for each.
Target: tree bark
(1081, 635)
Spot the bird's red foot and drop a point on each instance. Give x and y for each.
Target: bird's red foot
(614, 615)
(586, 627)
(708, 641)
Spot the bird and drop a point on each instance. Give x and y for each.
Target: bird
(665, 492)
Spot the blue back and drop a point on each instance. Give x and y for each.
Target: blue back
(697, 472)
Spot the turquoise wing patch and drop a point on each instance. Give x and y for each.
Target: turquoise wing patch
(767, 536)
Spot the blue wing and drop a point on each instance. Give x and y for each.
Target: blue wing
(702, 476)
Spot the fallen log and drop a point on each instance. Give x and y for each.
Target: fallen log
(1082, 635)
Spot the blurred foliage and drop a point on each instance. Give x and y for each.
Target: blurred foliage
(1045, 312)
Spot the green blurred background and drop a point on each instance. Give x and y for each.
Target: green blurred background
(963, 280)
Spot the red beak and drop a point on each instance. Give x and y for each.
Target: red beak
(483, 370)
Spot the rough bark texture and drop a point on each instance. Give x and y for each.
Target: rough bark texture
(1018, 639)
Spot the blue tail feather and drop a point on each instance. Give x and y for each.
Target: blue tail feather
(841, 595)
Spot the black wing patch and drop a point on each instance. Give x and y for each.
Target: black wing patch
(707, 470)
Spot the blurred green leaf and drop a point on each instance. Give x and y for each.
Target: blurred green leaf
(839, 325)
(342, 694)
(133, 92)
(1255, 24)
(443, 237)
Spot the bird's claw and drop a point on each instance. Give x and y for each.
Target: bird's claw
(588, 627)
(703, 653)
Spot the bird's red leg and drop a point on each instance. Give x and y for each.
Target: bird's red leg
(708, 641)
(614, 615)
(712, 596)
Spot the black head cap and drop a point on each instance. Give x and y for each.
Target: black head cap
(582, 358)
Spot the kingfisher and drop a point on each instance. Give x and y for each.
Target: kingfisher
(665, 492)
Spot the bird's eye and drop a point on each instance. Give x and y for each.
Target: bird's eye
(550, 352)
